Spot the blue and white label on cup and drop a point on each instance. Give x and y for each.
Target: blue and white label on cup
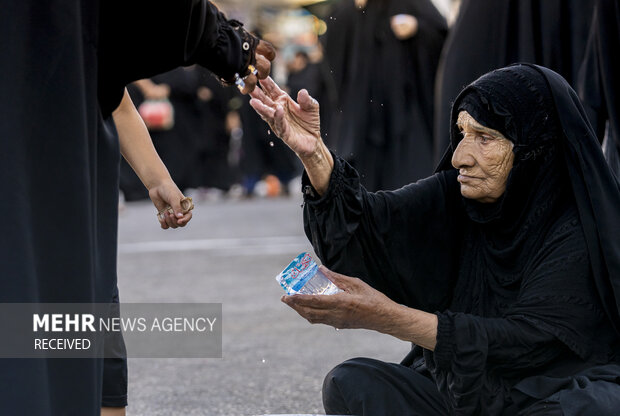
(303, 276)
(297, 273)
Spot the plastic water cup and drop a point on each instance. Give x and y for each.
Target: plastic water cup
(303, 276)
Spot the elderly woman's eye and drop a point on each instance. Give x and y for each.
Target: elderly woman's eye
(484, 139)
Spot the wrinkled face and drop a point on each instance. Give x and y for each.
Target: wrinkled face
(484, 158)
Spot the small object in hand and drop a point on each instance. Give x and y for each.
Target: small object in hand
(303, 276)
(239, 82)
(161, 212)
(187, 204)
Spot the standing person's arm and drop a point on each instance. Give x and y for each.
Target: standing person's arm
(139, 40)
(137, 148)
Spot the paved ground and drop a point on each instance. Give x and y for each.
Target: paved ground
(273, 360)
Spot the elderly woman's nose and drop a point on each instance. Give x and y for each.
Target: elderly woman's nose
(463, 156)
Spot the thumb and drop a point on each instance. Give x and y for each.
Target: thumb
(343, 282)
(306, 102)
(175, 203)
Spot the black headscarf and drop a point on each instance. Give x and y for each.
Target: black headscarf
(557, 161)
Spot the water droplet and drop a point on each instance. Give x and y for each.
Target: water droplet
(271, 144)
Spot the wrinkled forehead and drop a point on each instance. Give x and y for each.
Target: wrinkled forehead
(466, 121)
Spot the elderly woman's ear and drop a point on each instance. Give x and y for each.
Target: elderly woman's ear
(484, 158)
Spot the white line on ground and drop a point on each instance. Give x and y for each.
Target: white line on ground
(222, 246)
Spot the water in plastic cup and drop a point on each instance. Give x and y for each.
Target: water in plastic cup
(303, 276)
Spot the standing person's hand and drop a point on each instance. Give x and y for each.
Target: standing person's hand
(297, 123)
(265, 53)
(167, 199)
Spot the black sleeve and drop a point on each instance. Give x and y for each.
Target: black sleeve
(139, 39)
(555, 319)
(396, 241)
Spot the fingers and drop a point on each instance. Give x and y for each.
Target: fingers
(176, 207)
(263, 66)
(185, 219)
(167, 219)
(279, 124)
(309, 307)
(306, 102)
(266, 49)
(271, 88)
(162, 221)
(310, 301)
(161, 210)
(267, 113)
(250, 83)
(345, 283)
(260, 95)
(170, 219)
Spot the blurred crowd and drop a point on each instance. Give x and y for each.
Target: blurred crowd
(385, 73)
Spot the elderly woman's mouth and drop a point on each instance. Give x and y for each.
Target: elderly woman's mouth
(467, 178)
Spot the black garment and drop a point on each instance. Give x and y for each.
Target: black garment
(64, 67)
(216, 169)
(385, 86)
(490, 34)
(373, 375)
(599, 87)
(528, 285)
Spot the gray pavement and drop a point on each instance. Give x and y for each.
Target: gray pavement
(273, 360)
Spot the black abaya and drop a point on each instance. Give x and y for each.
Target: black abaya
(64, 68)
(527, 287)
(383, 123)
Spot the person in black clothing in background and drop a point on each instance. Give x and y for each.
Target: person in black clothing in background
(64, 70)
(599, 86)
(503, 268)
(383, 56)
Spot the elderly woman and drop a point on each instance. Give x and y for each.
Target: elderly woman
(503, 268)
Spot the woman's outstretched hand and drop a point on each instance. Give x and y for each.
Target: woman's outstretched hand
(361, 306)
(298, 124)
